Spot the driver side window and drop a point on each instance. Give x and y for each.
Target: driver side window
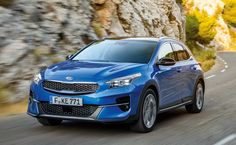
(166, 51)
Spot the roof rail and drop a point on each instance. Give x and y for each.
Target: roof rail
(166, 37)
(123, 37)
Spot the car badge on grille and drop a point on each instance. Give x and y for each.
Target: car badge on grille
(69, 78)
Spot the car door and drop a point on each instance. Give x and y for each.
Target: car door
(167, 77)
(183, 65)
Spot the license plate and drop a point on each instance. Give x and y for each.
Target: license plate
(67, 101)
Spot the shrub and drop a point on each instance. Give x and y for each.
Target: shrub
(207, 30)
(200, 27)
(192, 27)
(229, 12)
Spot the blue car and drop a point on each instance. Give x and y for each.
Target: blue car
(128, 80)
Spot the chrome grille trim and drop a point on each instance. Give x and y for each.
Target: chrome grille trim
(70, 87)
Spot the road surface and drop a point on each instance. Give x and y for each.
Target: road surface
(216, 125)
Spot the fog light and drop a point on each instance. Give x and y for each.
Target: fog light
(125, 101)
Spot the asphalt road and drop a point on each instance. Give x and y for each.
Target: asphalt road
(216, 125)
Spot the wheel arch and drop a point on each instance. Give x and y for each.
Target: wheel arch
(199, 79)
(151, 84)
(203, 83)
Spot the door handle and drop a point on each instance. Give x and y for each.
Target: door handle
(179, 70)
(194, 68)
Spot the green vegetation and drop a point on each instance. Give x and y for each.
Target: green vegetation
(229, 12)
(229, 15)
(205, 57)
(192, 27)
(200, 27)
(207, 30)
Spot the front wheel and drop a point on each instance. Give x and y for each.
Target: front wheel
(198, 100)
(49, 121)
(147, 114)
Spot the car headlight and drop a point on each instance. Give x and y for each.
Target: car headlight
(37, 78)
(123, 81)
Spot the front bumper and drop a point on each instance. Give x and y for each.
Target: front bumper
(108, 109)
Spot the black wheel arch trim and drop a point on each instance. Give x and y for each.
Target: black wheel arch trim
(149, 84)
(203, 81)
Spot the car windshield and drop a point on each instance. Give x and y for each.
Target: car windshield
(131, 51)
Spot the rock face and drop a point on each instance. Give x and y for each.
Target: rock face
(138, 18)
(41, 32)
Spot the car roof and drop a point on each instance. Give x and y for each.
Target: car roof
(140, 38)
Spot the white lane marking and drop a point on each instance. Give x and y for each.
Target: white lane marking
(210, 77)
(226, 139)
(225, 63)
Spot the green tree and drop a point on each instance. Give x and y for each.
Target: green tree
(207, 30)
(200, 26)
(192, 27)
(229, 12)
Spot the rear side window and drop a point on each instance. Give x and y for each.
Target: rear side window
(181, 52)
(166, 51)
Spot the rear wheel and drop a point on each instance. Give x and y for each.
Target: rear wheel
(198, 100)
(49, 121)
(147, 114)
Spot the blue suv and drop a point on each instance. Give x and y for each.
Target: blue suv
(119, 80)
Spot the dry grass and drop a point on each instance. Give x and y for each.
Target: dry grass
(11, 109)
(205, 57)
(98, 29)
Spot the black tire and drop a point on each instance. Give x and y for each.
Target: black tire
(193, 107)
(49, 121)
(139, 125)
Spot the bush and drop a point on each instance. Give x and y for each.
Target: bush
(200, 27)
(229, 12)
(207, 30)
(192, 27)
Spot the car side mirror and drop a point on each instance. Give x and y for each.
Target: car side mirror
(166, 62)
(69, 56)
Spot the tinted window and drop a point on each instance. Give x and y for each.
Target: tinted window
(166, 51)
(118, 51)
(181, 52)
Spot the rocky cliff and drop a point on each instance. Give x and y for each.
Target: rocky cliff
(33, 33)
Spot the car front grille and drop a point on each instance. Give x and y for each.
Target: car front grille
(61, 110)
(70, 88)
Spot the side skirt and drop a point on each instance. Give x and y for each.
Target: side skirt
(175, 106)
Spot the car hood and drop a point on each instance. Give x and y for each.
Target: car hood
(90, 71)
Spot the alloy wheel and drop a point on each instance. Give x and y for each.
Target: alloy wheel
(149, 111)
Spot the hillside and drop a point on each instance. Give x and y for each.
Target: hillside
(211, 22)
